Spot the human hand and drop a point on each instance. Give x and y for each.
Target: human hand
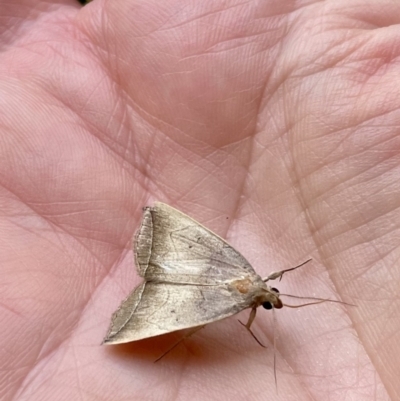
(275, 127)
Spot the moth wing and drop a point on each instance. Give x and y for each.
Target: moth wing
(172, 247)
(158, 308)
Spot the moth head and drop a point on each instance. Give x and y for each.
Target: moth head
(272, 299)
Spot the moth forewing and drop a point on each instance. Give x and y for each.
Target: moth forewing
(164, 308)
(181, 250)
(192, 277)
(121, 317)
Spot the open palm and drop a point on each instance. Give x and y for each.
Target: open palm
(273, 123)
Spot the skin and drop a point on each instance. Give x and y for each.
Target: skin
(273, 123)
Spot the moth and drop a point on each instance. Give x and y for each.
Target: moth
(192, 277)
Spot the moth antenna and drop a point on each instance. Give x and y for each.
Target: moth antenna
(320, 300)
(306, 304)
(274, 337)
(279, 274)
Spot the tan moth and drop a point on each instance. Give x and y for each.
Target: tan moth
(192, 277)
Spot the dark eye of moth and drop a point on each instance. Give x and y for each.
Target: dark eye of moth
(267, 305)
(275, 290)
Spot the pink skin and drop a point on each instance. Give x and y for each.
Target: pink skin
(274, 123)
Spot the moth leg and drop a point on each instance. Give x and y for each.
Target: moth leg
(275, 275)
(248, 324)
(187, 335)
